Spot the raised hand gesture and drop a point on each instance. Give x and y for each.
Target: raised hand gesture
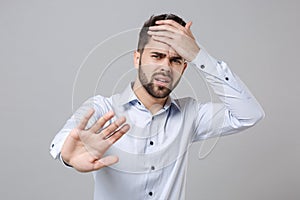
(84, 149)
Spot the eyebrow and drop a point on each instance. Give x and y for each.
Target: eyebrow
(164, 55)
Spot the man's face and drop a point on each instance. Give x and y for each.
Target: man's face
(160, 69)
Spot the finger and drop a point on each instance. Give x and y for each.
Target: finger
(112, 127)
(117, 135)
(171, 23)
(101, 121)
(174, 30)
(163, 28)
(83, 122)
(106, 161)
(188, 28)
(161, 33)
(162, 39)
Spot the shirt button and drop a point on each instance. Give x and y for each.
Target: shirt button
(152, 168)
(202, 66)
(151, 143)
(226, 78)
(150, 193)
(52, 145)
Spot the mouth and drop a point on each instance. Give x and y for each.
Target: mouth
(162, 80)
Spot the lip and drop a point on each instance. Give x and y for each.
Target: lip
(162, 80)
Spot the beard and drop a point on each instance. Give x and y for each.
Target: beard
(156, 91)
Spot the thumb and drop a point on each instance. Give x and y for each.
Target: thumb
(188, 28)
(106, 161)
(188, 25)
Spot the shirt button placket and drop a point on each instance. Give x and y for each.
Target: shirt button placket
(152, 174)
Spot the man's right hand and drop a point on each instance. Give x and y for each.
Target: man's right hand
(84, 149)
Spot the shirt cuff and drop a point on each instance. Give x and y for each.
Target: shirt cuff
(204, 62)
(63, 162)
(217, 69)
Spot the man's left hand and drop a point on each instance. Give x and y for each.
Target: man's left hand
(178, 37)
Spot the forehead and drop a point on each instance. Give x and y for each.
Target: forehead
(160, 47)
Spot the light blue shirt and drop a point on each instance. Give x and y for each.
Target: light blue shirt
(153, 155)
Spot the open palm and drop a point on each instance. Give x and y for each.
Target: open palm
(84, 149)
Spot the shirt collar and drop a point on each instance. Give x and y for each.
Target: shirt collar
(128, 96)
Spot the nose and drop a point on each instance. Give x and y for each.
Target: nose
(166, 65)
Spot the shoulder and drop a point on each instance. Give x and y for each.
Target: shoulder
(99, 103)
(99, 100)
(191, 105)
(186, 103)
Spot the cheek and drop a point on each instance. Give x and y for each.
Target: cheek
(176, 76)
(177, 72)
(149, 68)
(146, 72)
(148, 64)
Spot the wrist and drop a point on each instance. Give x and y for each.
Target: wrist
(194, 54)
(65, 161)
(64, 158)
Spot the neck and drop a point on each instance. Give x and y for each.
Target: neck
(151, 103)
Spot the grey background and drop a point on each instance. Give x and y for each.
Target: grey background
(43, 43)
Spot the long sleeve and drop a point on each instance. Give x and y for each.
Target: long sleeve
(238, 109)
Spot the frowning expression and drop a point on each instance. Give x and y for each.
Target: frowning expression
(160, 68)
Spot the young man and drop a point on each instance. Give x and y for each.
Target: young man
(150, 160)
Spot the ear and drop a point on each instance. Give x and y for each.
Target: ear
(136, 59)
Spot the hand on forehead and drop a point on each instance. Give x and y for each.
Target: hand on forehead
(174, 37)
(160, 47)
(164, 25)
(169, 24)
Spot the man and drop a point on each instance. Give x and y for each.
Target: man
(150, 160)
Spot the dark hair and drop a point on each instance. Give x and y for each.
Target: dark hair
(144, 37)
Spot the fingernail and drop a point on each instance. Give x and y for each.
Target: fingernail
(126, 127)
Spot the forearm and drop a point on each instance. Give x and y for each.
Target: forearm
(243, 108)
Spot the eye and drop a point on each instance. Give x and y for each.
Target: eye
(155, 56)
(177, 61)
